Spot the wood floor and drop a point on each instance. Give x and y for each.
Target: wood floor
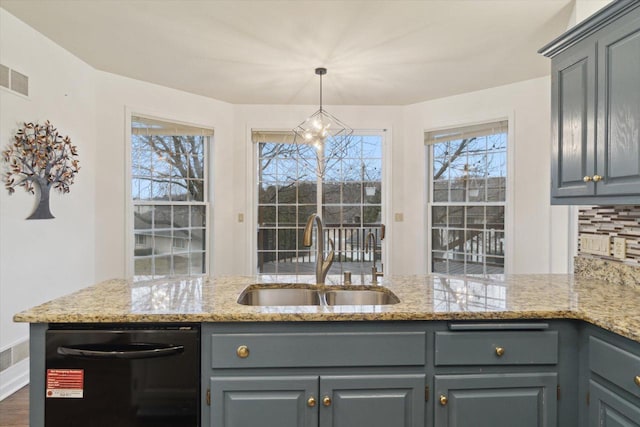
(14, 410)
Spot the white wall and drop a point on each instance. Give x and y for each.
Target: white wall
(117, 96)
(42, 259)
(582, 9)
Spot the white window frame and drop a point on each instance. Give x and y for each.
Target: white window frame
(386, 133)
(130, 242)
(509, 209)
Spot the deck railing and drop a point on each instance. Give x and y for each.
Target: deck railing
(349, 241)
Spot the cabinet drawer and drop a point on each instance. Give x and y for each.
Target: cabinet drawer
(616, 365)
(317, 349)
(497, 348)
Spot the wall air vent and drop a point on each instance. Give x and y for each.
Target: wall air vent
(14, 80)
(4, 76)
(19, 83)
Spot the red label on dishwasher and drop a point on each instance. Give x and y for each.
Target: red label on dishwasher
(65, 383)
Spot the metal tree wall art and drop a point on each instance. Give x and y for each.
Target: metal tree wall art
(40, 159)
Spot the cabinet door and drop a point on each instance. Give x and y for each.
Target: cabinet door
(496, 400)
(372, 400)
(264, 401)
(619, 108)
(607, 409)
(572, 121)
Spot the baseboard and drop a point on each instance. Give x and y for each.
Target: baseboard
(14, 378)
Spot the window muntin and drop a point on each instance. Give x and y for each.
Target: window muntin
(168, 188)
(348, 194)
(467, 199)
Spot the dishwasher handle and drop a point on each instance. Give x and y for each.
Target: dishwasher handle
(121, 351)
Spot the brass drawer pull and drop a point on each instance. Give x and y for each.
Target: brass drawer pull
(443, 400)
(597, 178)
(587, 179)
(311, 402)
(499, 351)
(326, 401)
(243, 352)
(637, 380)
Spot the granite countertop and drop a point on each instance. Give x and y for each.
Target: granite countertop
(432, 297)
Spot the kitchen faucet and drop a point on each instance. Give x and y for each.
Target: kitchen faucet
(322, 264)
(374, 271)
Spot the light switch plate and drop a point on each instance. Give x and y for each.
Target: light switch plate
(620, 247)
(398, 217)
(594, 244)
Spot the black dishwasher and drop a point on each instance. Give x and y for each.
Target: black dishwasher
(122, 376)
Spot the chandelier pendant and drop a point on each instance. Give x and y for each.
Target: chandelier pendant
(321, 125)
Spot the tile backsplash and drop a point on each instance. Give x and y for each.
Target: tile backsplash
(609, 225)
(614, 222)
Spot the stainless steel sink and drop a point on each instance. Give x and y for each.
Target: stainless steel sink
(360, 297)
(273, 295)
(289, 294)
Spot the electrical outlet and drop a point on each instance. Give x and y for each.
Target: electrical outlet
(398, 217)
(620, 247)
(594, 244)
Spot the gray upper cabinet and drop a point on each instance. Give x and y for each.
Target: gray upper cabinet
(619, 108)
(595, 109)
(573, 122)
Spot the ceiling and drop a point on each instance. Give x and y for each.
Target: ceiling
(390, 52)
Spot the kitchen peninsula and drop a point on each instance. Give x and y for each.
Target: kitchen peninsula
(545, 341)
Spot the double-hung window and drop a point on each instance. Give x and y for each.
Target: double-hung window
(169, 197)
(467, 198)
(341, 183)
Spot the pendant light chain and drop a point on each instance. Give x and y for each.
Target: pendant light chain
(320, 92)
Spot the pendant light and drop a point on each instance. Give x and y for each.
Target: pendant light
(321, 125)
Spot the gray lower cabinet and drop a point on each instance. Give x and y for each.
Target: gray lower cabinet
(595, 109)
(496, 400)
(496, 375)
(324, 401)
(372, 400)
(330, 374)
(263, 401)
(608, 409)
(614, 381)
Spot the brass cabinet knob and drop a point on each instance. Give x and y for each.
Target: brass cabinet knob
(326, 401)
(637, 380)
(311, 402)
(243, 352)
(587, 179)
(499, 351)
(597, 178)
(443, 400)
